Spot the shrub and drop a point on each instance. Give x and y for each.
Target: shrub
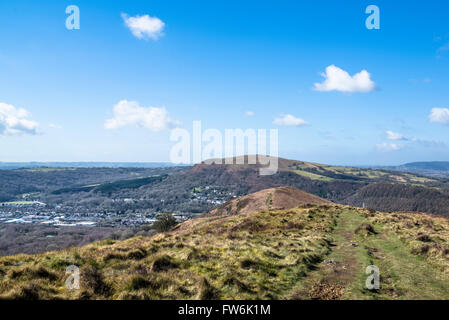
(164, 222)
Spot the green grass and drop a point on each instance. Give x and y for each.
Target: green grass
(323, 172)
(404, 274)
(316, 252)
(312, 176)
(18, 203)
(260, 256)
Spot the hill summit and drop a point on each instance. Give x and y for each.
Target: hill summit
(268, 199)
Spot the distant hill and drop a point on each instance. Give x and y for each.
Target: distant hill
(400, 197)
(379, 189)
(314, 251)
(200, 188)
(31, 165)
(439, 169)
(431, 165)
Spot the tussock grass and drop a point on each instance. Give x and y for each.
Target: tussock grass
(424, 234)
(256, 256)
(269, 254)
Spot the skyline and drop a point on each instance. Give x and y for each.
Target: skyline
(112, 90)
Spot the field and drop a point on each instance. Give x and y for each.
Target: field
(324, 172)
(17, 203)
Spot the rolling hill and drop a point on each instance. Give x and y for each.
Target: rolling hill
(377, 189)
(268, 199)
(200, 188)
(308, 251)
(438, 169)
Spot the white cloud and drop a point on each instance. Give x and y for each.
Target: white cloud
(55, 126)
(128, 113)
(439, 115)
(14, 121)
(337, 79)
(395, 136)
(429, 143)
(249, 113)
(289, 120)
(144, 27)
(408, 142)
(388, 146)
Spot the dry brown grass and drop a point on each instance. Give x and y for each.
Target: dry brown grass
(269, 252)
(425, 234)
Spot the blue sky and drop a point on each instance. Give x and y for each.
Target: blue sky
(214, 61)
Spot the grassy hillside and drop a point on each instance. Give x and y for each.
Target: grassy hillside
(437, 169)
(378, 189)
(329, 173)
(315, 251)
(268, 199)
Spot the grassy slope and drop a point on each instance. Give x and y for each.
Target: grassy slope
(324, 172)
(406, 271)
(303, 253)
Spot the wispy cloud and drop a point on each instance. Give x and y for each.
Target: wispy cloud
(336, 79)
(395, 136)
(289, 120)
(15, 121)
(385, 147)
(144, 27)
(249, 113)
(439, 115)
(429, 143)
(130, 113)
(407, 141)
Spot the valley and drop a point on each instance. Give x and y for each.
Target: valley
(129, 199)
